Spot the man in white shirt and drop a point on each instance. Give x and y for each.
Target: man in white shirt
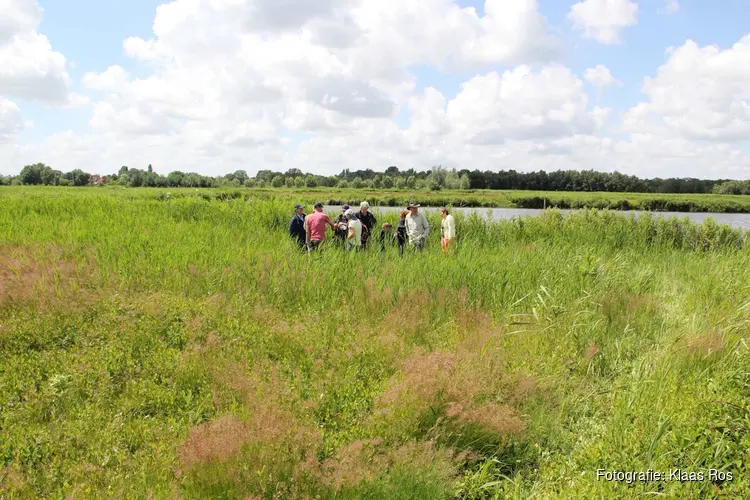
(447, 230)
(417, 227)
(354, 235)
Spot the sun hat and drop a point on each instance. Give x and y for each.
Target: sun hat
(364, 204)
(413, 205)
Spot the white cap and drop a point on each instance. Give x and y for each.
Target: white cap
(364, 204)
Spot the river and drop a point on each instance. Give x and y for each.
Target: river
(741, 221)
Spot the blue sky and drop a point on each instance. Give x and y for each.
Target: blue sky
(90, 34)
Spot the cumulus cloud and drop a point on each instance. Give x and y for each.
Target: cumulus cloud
(602, 20)
(600, 76)
(29, 68)
(700, 93)
(671, 6)
(10, 120)
(323, 85)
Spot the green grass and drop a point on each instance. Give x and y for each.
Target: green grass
(471, 198)
(181, 346)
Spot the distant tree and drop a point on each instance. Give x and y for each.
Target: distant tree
(251, 183)
(79, 178)
(241, 176)
(464, 182)
(175, 179)
(289, 182)
(392, 171)
(411, 182)
(277, 181)
(123, 170)
(294, 172)
(343, 184)
(150, 168)
(264, 175)
(377, 182)
(387, 182)
(32, 174)
(310, 182)
(400, 183)
(733, 187)
(63, 182)
(357, 183)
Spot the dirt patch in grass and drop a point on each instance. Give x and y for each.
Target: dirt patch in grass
(366, 460)
(705, 345)
(44, 279)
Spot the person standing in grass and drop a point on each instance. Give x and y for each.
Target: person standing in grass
(368, 222)
(385, 235)
(401, 232)
(354, 235)
(417, 227)
(315, 227)
(297, 225)
(340, 223)
(447, 230)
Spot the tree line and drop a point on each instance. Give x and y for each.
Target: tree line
(392, 178)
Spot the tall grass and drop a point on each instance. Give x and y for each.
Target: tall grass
(182, 345)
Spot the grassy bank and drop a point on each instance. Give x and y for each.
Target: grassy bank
(178, 346)
(471, 198)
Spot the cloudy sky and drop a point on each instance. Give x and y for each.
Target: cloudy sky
(653, 88)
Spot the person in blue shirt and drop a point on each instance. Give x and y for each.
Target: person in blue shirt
(297, 225)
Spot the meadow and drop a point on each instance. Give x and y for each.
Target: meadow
(181, 346)
(509, 199)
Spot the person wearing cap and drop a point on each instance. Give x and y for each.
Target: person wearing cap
(315, 227)
(354, 234)
(417, 227)
(447, 230)
(297, 225)
(340, 224)
(368, 222)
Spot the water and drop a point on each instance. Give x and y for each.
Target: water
(741, 221)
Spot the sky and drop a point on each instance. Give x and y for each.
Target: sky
(653, 88)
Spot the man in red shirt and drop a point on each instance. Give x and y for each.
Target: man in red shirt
(315, 226)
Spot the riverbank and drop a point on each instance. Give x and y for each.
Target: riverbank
(684, 203)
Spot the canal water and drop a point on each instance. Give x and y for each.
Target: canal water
(741, 221)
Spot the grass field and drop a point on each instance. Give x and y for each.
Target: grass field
(471, 198)
(181, 347)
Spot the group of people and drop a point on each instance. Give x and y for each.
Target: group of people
(353, 229)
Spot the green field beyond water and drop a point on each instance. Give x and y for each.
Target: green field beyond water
(458, 198)
(182, 347)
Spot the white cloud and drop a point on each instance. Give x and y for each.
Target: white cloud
(29, 68)
(10, 120)
(600, 76)
(700, 93)
(234, 84)
(671, 6)
(603, 19)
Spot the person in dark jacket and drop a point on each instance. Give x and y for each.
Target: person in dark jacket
(368, 222)
(386, 236)
(297, 225)
(340, 224)
(401, 232)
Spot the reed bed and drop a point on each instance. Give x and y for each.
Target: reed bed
(182, 346)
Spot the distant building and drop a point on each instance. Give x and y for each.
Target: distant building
(97, 179)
